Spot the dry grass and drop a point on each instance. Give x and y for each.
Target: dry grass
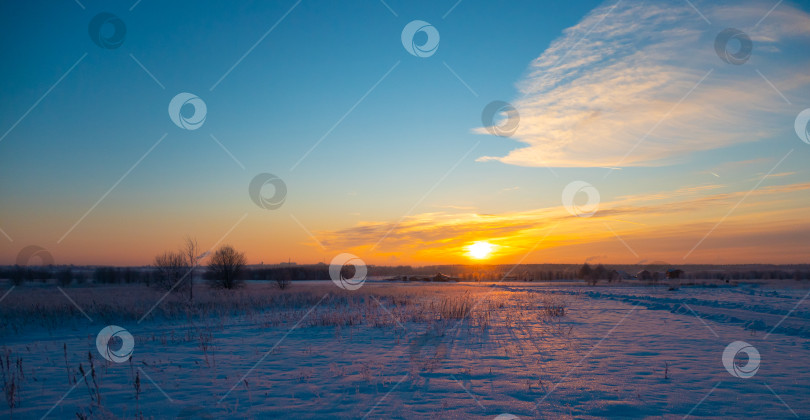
(554, 306)
(457, 307)
(13, 376)
(375, 305)
(427, 318)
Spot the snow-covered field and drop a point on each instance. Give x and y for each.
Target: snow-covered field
(408, 351)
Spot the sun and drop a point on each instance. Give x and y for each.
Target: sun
(480, 250)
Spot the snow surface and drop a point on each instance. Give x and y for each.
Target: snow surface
(618, 352)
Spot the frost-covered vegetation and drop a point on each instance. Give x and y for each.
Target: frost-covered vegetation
(391, 350)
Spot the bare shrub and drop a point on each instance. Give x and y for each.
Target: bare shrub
(283, 282)
(171, 269)
(553, 306)
(225, 266)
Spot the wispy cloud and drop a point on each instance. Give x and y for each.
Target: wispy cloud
(454, 207)
(729, 167)
(641, 85)
(677, 216)
(782, 174)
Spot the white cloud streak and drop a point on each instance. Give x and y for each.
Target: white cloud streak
(587, 103)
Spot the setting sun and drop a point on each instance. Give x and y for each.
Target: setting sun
(480, 250)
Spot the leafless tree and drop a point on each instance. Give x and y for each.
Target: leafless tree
(283, 280)
(176, 269)
(191, 255)
(225, 266)
(171, 268)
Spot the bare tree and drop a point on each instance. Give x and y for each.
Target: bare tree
(192, 257)
(225, 266)
(283, 280)
(171, 267)
(176, 269)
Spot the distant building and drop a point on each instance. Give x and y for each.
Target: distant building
(623, 275)
(444, 278)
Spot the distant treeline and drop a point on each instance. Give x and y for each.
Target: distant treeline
(66, 275)
(292, 273)
(649, 272)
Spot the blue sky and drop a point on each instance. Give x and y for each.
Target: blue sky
(388, 159)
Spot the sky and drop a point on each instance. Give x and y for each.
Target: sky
(629, 135)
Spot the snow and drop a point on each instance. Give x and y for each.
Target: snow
(384, 352)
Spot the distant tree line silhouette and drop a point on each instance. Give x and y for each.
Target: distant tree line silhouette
(292, 273)
(231, 271)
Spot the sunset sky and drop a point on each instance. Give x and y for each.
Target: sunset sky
(384, 153)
